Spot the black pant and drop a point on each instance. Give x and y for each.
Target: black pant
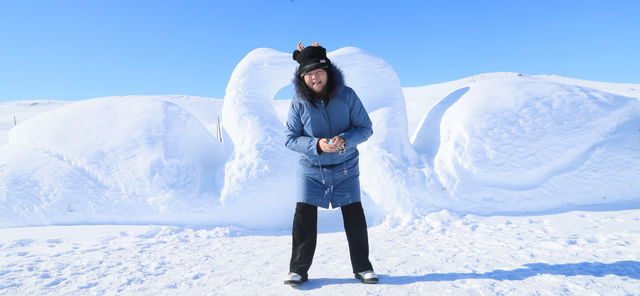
(305, 232)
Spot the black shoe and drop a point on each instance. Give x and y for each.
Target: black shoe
(367, 277)
(294, 279)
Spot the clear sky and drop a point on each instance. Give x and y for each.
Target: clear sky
(70, 50)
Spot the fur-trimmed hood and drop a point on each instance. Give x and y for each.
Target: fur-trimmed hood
(302, 91)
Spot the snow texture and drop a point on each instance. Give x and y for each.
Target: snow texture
(260, 164)
(496, 184)
(488, 144)
(105, 161)
(506, 142)
(573, 253)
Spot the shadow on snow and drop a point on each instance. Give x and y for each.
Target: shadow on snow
(621, 268)
(629, 269)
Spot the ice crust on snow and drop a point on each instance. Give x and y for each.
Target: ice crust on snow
(492, 143)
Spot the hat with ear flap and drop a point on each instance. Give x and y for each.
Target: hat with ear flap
(311, 58)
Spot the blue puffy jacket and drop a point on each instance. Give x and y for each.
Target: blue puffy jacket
(328, 178)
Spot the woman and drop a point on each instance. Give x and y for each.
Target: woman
(325, 124)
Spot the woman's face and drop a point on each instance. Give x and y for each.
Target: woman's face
(316, 80)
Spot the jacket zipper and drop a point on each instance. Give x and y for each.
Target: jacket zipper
(326, 117)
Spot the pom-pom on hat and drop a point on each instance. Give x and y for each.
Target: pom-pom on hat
(311, 58)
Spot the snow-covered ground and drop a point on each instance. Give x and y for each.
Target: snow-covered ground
(574, 253)
(500, 183)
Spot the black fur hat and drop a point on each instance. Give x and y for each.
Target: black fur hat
(311, 58)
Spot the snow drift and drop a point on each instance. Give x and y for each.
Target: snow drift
(488, 144)
(107, 160)
(518, 144)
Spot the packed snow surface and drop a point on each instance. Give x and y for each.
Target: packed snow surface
(574, 253)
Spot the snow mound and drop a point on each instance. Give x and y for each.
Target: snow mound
(259, 175)
(261, 171)
(112, 159)
(391, 170)
(19, 111)
(515, 144)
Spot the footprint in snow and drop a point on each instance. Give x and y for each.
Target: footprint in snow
(150, 234)
(55, 282)
(12, 285)
(87, 286)
(197, 276)
(22, 243)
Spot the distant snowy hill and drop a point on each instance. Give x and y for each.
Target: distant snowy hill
(491, 143)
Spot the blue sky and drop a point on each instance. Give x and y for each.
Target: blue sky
(70, 50)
